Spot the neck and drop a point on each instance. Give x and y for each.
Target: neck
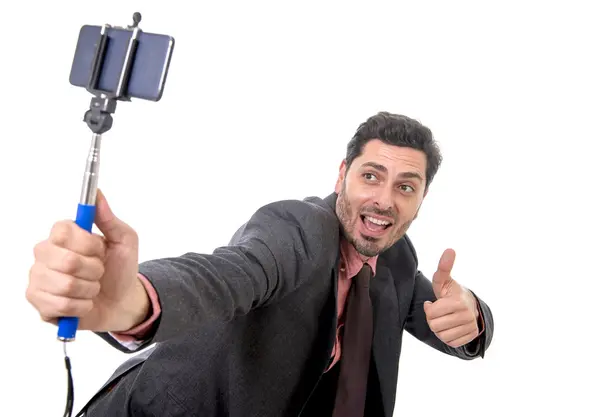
(364, 258)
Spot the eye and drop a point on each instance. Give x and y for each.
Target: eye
(407, 188)
(369, 176)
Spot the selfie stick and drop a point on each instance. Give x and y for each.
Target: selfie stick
(99, 120)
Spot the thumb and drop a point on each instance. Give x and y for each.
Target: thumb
(113, 229)
(442, 280)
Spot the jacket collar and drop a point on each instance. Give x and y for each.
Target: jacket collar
(330, 201)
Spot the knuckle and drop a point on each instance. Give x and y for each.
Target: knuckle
(133, 235)
(70, 262)
(62, 305)
(69, 286)
(39, 249)
(36, 274)
(67, 307)
(86, 244)
(33, 272)
(98, 268)
(463, 317)
(45, 314)
(81, 308)
(100, 274)
(30, 295)
(132, 238)
(60, 232)
(101, 246)
(94, 289)
(47, 319)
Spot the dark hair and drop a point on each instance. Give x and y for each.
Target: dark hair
(398, 130)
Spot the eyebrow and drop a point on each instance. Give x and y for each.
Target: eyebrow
(406, 174)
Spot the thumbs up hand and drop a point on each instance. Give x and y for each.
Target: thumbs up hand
(453, 316)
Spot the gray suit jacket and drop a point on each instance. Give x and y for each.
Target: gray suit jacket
(248, 330)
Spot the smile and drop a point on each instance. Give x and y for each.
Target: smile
(376, 221)
(374, 227)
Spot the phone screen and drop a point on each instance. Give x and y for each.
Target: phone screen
(148, 71)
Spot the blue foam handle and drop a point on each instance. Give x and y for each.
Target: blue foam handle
(67, 326)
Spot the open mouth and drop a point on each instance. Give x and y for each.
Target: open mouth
(373, 225)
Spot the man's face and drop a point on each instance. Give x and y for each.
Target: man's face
(379, 195)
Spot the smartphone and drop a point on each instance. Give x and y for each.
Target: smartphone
(148, 69)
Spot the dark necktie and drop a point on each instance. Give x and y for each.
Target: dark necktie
(356, 348)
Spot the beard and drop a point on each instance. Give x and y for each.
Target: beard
(366, 245)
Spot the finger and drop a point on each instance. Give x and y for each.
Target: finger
(444, 306)
(52, 306)
(60, 284)
(67, 234)
(450, 321)
(67, 262)
(110, 225)
(51, 320)
(442, 279)
(458, 332)
(446, 262)
(463, 340)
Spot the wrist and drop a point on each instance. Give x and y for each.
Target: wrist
(136, 307)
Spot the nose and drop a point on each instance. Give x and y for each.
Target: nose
(383, 198)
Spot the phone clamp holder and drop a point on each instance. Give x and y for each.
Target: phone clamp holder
(99, 117)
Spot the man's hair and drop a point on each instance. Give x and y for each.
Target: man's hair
(398, 130)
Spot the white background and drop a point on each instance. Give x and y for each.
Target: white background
(260, 102)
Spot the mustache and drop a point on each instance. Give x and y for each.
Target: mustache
(379, 212)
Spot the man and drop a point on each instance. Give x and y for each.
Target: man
(302, 314)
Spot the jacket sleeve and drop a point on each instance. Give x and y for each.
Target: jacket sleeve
(416, 323)
(269, 256)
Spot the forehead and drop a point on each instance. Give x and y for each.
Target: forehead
(394, 158)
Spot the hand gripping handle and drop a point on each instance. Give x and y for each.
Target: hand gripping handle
(67, 326)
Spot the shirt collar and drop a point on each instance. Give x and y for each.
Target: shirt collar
(352, 261)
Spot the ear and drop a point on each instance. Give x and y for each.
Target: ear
(340, 180)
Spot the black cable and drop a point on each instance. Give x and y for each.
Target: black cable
(70, 393)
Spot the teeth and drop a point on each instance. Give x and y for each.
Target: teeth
(377, 221)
